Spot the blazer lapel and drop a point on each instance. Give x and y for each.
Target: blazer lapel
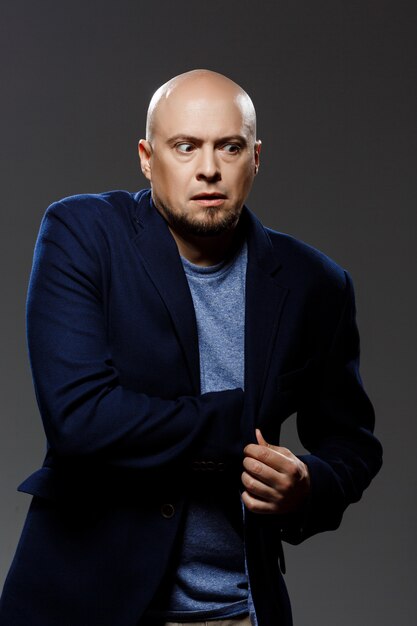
(264, 303)
(264, 298)
(162, 262)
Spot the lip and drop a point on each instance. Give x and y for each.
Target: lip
(209, 199)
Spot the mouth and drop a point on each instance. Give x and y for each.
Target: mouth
(209, 199)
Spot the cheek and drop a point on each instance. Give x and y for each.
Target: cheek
(161, 179)
(245, 178)
(172, 178)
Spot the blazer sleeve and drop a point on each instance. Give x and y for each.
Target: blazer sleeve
(86, 412)
(335, 423)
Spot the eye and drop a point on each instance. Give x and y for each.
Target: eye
(184, 147)
(231, 148)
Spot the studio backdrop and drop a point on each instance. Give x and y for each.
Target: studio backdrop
(334, 85)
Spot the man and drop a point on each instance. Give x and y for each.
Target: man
(170, 335)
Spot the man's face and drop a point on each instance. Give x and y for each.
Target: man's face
(201, 162)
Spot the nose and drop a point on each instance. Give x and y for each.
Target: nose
(208, 167)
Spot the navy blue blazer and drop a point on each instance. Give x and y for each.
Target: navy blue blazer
(114, 353)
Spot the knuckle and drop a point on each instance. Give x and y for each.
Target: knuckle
(293, 473)
(299, 470)
(257, 468)
(252, 466)
(264, 454)
(251, 483)
(294, 469)
(277, 485)
(286, 486)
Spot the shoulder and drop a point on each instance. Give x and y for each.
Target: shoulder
(303, 263)
(316, 283)
(92, 224)
(107, 215)
(106, 205)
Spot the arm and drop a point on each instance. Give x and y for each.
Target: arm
(335, 422)
(86, 412)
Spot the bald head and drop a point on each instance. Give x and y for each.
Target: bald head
(195, 89)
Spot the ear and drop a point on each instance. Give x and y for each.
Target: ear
(257, 152)
(145, 153)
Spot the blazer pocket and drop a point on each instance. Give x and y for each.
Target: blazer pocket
(294, 378)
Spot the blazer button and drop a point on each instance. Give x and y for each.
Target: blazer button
(167, 511)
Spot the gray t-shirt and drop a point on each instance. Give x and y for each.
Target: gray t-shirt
(210, 580)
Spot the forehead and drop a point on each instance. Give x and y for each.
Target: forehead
(205, 115)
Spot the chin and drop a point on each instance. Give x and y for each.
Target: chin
(214, 221)
(213, 224)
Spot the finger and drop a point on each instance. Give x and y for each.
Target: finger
(259, 506)
(265, 474)
(276, 457)
(259, 489)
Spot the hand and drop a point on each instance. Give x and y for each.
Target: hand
(275, 480)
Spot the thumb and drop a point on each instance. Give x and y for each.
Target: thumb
(259, 438)
(262, 442)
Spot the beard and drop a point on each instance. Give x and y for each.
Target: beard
(215, 221)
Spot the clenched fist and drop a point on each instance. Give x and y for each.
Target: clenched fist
(275, 480)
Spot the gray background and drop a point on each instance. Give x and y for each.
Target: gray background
(334, 84)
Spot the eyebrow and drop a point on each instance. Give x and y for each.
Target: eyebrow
(199, 141)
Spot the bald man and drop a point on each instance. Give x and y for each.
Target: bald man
(170, 335)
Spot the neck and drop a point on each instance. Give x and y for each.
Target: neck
(206, 251)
